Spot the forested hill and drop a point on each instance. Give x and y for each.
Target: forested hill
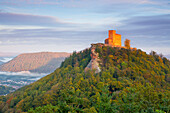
(129, 82)
(43, 62)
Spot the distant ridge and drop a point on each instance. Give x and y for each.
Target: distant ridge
(41, 62)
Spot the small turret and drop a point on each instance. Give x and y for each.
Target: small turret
(127, 43)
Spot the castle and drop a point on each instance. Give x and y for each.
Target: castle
(114, 40)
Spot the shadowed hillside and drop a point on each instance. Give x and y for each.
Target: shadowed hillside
(50, 66)
(43, 62)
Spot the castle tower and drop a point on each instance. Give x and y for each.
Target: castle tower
(127, 43)
(113, 39)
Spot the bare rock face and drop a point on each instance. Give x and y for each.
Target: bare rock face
(43, 62)
(94, 63)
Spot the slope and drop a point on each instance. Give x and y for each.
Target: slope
(129, 81)
(43, 62)
(5, 90)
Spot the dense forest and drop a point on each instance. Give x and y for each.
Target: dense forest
(130, 82)
(5, 90)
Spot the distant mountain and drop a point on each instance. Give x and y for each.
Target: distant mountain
(43, 62)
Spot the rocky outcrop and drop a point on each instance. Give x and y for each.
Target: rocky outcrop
(94, 62)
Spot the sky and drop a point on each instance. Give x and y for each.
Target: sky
(69, 25)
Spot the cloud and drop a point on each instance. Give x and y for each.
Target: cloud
(76, 3)
(128, 1)
(6, 59)
(30, 2)
(150, 20)
(35, 40)
(49, 37)
(22, 34)
(20, 21)
(22, 73)
(149, 32)
(28, 19)
(147, 25)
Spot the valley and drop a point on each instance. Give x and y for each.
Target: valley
(18, 80)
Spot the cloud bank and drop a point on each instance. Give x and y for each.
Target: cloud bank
(28, 19)
(22, 73)
(5, 59)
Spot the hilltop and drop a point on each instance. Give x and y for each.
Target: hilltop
(128, 81)
(42, 62)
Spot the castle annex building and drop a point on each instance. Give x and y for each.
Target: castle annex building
(114, 39)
